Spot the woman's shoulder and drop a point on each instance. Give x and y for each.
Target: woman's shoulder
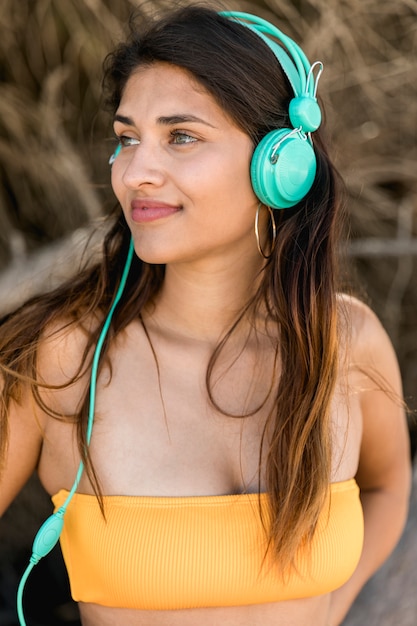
(63, 364)
(366, 342)
(356, 315)
(62, 344)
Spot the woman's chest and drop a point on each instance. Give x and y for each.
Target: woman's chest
(164, 429)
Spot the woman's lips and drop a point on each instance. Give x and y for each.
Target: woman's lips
(150, 210)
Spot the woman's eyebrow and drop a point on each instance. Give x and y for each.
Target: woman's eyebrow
(179, 119)
(165, 120)
(123, 119)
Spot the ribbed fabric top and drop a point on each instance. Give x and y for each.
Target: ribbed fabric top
(161, 553)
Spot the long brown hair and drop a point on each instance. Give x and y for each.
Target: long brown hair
(297, 288)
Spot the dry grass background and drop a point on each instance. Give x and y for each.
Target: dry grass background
(55, 140)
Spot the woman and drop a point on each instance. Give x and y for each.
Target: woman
(239, 402)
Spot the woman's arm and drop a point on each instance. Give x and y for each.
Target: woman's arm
(24, 444)
(58, 355)
(384, 473)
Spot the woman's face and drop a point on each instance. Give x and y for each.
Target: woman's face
(182, 174)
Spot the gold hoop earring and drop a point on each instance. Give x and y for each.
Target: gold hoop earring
(274, 231)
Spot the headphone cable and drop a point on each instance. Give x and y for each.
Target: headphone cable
(48, 534)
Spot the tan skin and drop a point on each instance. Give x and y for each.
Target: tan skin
(181, 446)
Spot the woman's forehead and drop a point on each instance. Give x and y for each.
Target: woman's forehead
(169, 90)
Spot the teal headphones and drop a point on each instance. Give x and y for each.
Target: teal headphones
(283, 168)
(283, 165)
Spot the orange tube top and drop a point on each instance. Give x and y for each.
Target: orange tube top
(161, 553)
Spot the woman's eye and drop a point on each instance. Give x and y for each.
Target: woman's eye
(181, 138)
(125, 142)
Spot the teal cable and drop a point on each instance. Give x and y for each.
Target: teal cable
(48, 534)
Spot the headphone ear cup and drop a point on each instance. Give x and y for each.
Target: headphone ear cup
(283, 168)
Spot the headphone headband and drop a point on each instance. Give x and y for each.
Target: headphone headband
(304, 110)
(298, 61)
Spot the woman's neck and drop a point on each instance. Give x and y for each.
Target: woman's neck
(202, 303)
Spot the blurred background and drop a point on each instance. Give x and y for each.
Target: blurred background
(55, 141)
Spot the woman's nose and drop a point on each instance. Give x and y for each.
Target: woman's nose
(143, 165)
